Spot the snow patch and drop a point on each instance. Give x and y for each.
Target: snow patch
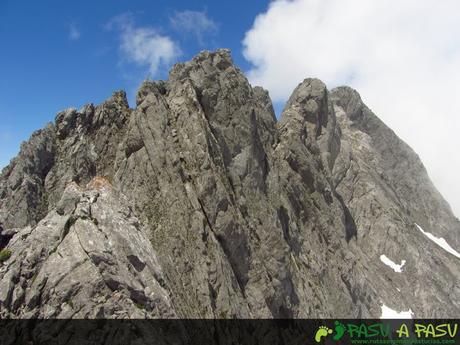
(388, 313)
(393, 265)
(440, 241)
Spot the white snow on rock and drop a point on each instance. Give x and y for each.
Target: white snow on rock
(387, 261)
(388, 313)
(440, 241)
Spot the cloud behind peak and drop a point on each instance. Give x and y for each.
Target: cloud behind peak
(402, 56)
(194, 23)
(144, 45)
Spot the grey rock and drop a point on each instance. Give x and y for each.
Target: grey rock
(23, 198)
(77, 264)
(199, 204)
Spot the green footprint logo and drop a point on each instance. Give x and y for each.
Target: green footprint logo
(339, 330)
(322, 331)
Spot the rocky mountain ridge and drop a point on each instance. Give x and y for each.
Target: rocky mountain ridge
(197, 203)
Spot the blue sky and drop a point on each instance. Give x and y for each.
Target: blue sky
(402, 56)
(59, 54)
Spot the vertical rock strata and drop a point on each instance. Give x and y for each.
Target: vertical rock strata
(197, 203)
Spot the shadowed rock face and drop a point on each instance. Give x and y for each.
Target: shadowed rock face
(198, 203)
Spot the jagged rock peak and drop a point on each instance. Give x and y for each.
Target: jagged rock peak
(350, 100)
(308, 103)
(197, 203)
(220, 59)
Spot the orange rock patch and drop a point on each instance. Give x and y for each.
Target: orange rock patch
(99, 182)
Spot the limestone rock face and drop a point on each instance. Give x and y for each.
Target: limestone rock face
(88, 258)
(197, 203)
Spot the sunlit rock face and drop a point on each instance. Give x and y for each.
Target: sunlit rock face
(198, 203)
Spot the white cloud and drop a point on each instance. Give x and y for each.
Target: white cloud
(195, 23)
(402, 56)
(74, 33)
(144, 45)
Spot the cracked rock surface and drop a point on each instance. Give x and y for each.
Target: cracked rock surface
(88, 258)
(198, 203)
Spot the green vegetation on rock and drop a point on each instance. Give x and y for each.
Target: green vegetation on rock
(5, 254)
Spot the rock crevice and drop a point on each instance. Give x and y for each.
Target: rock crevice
(197, 203)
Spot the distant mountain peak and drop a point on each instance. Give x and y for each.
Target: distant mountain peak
(197, 203)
